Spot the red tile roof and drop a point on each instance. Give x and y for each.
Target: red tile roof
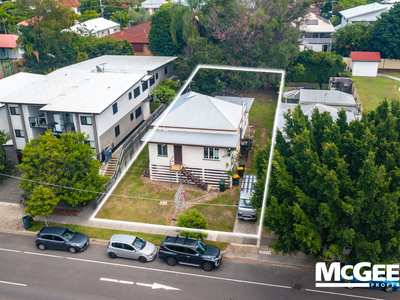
(72, 3)
(365, 56)
(8, 40)
(137, 34)
(28, 22)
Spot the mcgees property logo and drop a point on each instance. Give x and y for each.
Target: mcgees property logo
(381, 275)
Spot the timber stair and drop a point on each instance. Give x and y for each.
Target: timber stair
(112, 164)
(194, 178)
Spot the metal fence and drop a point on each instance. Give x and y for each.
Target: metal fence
(129, 148)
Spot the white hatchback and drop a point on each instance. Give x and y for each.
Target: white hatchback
(130, 246)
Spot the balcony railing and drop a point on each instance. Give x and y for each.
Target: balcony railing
(325, 41)
(37, 122)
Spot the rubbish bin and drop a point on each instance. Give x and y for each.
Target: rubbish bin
(222, 185)
(235, 180)
(27, 222)
(240, 171)
(243, 165)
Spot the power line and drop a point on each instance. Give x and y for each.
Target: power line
(102, 193)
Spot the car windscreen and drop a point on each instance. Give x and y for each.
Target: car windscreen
(138, 243)
(68, 234)
(201, 247)
(245, 202)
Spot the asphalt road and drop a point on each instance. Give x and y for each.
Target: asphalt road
(28, 273)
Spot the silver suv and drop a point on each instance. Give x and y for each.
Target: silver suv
(129, 246)
(245, 209)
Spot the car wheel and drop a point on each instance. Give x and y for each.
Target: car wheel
(389, 289)
(207, 266)
(72, 250)
(142, 259)
(171, 261)
(41, 247)
(112, 255)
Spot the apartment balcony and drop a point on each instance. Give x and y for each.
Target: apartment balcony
(318, 41)
(37, 122)
(58, 128)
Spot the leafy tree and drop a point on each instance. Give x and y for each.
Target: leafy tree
(192, 219)
(61, 162)
(5, 165)
(139, 17)
(335, 20)
(82, 56)
(88, 15)
(41, 202)
(107, 45)
(121, 17)
(385, 41)
(167, 90)
(353, 37)
(335, 185)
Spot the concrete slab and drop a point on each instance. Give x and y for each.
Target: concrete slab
(247, 227)
(10, 192)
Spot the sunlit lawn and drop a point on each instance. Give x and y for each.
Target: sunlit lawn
(395, 73)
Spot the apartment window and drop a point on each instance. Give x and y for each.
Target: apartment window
(91, 144)
(117, 131)
(115, 108)
(162, 150)
(145, 85)
(14, 110)
(211, 153)
(130, 95)
(138, 112)
(166, 70)
(156, 75)
(19, 133)
(132, 116)
(86, 120)
(152, 81)
(136, 92)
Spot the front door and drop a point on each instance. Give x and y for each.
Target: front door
(178, 155)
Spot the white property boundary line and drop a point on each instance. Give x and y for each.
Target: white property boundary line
(246, 69)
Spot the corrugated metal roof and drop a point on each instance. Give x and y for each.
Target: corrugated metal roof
(365, 9)
(16, 82)
(96, 25)
(192, 138)
(365, 56)
(248, 102)
(326, 97)
(197, 111)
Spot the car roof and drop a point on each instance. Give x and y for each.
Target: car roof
(53, 230)
(123, 238)
(180, 240)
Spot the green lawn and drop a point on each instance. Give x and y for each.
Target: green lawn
(395, 73)
(106, 234)
(372, 90)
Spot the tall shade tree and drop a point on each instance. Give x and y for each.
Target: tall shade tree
(121, 17)
(353, 37)
(65, 164)
(42, 202)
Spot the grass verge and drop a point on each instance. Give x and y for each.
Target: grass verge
(395, 73)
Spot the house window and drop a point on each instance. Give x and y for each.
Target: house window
(211, 153)
(86, 120)
(152, 81)
(136, 92)
(115, 108)
(145, 85)
(131, 116)
(138, 112)
(130, 95)
(91, 144)
(19, 133)
(162, 150)
(156, 75)
(14, 111)
(117, 131)
(166, 70)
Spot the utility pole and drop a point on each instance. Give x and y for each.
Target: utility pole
(102, 11)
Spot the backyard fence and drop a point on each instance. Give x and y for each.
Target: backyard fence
(356, 97)
(389, 64)
(129, 148)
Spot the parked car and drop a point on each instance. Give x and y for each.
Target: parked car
(59, 238)
(130, 246)
(388, 286)
(245, 209)
(188, 251)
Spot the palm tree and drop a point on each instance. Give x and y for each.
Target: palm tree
(185, 18)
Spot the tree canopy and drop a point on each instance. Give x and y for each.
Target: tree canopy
(335, 186)
(353, 37)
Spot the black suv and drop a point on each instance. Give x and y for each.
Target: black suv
(188, 251)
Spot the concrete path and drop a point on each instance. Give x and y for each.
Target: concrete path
(9, 190)
(11, 216)
(389, 76)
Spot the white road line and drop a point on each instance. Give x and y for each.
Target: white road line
(109, 279)
(13, 283)
(10, 250)
(125, 282)
(41, 254)
(340, 294)
(144, 284)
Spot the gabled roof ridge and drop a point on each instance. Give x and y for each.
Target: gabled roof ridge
(223, 115)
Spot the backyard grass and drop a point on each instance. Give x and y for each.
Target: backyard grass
(395, 73)
(372, 90)
(106, 234)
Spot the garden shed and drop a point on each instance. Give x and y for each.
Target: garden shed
(364, 63)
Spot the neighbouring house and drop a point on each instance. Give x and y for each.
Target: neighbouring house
(152, 5)
(74, 4)
(192, 140)
(314, 10)
(366, 13)
(106, 97)
(318, 32)
(364, 63)
(327, 97)
(98, 27)
(9, 49)
(137, 36)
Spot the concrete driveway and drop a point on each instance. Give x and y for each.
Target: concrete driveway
(248, 227)
(9, 190)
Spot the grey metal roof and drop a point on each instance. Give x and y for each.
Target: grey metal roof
(192, 138)
(13, 83)
(96, 25)
(327, 97)
(197, 111)
(365, 9)
(248, 102)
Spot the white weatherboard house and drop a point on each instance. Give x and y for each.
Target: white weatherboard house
(318, 33)
(364, 63)
(98, 27)
(193, 137)
(106, 97)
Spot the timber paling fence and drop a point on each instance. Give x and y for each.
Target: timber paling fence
(129, 148)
